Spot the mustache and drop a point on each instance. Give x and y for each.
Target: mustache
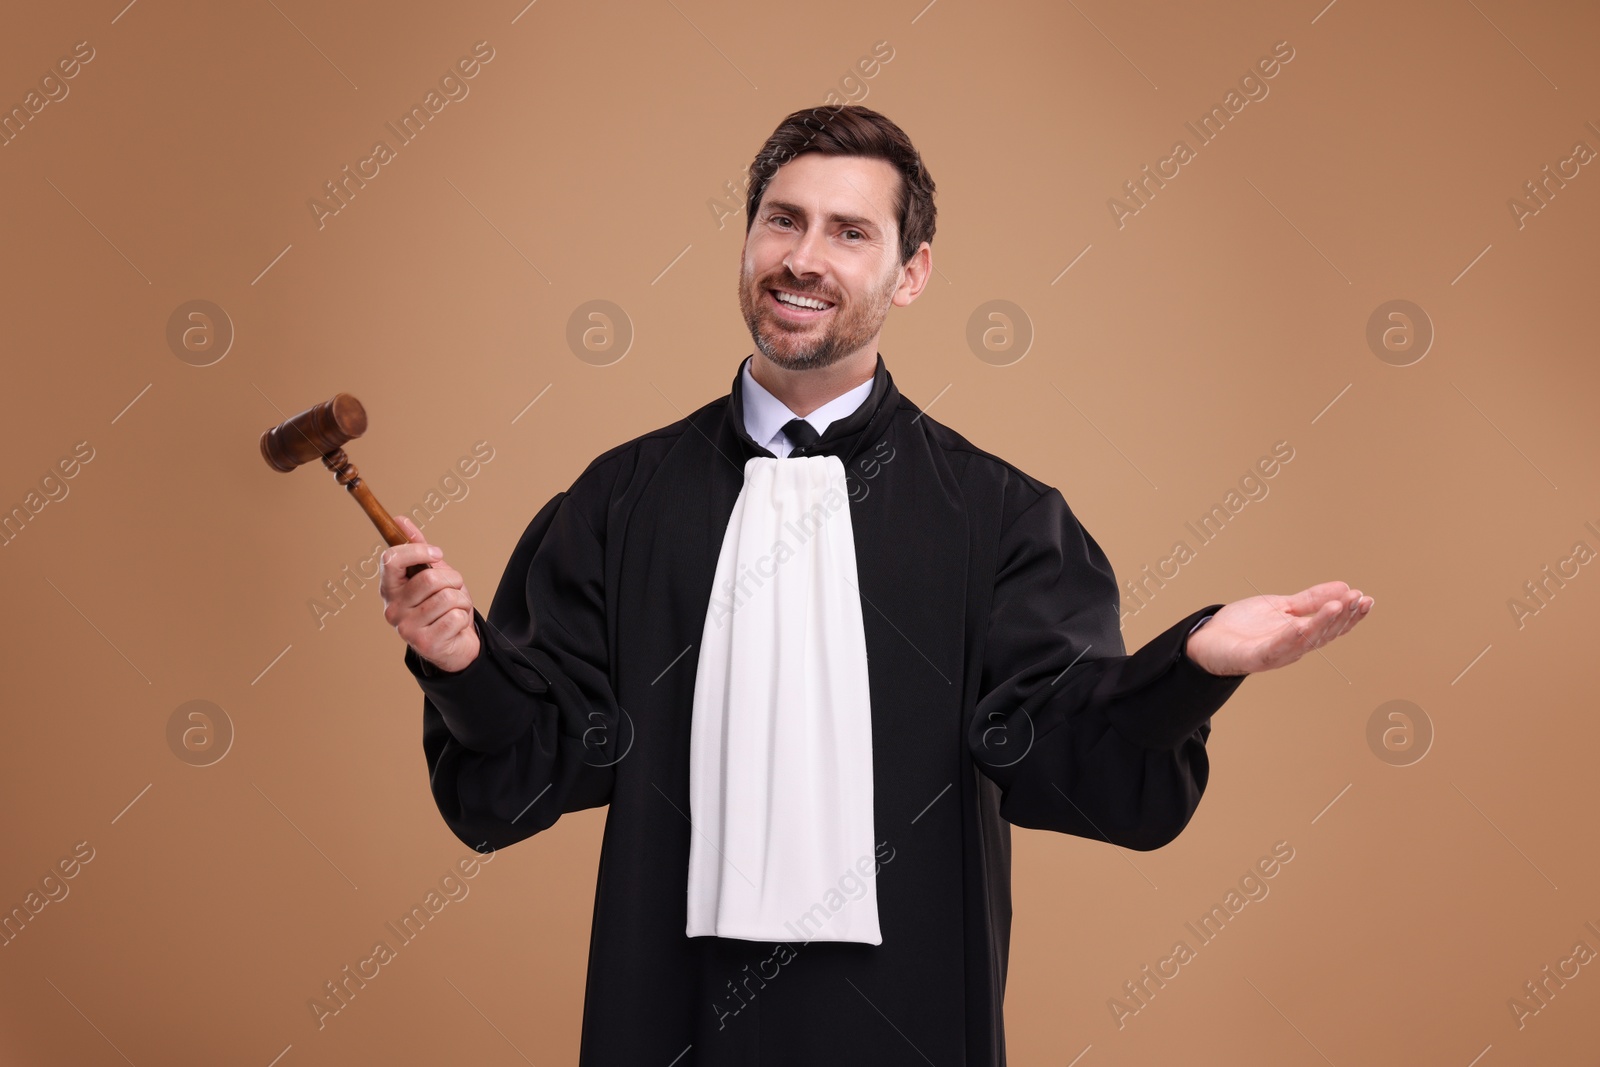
(788, 282)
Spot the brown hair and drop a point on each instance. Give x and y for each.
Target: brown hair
(851, 130)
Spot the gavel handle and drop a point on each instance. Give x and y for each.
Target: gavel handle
(382, 520)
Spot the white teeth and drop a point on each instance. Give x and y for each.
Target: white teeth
(800, 301)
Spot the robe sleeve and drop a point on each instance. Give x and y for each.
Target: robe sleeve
(527, 731)
(1081, 737)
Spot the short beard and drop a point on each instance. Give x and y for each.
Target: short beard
(853, 326)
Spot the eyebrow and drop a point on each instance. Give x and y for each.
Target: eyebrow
(795, 209)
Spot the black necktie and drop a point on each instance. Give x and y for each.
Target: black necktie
(800, 433)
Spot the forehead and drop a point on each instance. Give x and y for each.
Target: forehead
(843, 185)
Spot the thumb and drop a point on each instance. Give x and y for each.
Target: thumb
(409, 528)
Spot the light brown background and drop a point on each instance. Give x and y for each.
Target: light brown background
(1228, 315)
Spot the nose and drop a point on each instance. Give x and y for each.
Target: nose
(806, 254)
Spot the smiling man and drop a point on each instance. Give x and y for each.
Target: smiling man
(901, 646)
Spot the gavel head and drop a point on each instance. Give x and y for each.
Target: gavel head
(313, 433)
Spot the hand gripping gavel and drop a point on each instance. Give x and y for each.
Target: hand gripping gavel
(321, 432)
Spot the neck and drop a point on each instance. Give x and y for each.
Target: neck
(804, 391)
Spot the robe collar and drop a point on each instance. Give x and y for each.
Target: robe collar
(843, 437)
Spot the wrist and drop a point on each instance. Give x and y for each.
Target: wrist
(1202, 660)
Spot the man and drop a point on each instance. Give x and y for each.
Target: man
(907, 674)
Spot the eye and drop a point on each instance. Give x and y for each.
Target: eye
(780, 218)
(858, 233)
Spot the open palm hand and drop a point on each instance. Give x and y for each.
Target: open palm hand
(1263, 632)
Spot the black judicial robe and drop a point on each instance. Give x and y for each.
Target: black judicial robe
(1000, 691)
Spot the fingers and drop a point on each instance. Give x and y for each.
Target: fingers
(439, 576)
(1358, 610)
(436, 619)
(441, 604)
(1340, 622)
(1337, 617)
(402, 595)
(398, 557)
(410, 529)
(415, 551)
(442, 630)
(394, 561)
(1320, 624)
(1308, 602)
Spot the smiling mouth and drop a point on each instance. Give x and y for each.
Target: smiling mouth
(796, 311)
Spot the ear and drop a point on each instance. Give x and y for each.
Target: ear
(916, 270)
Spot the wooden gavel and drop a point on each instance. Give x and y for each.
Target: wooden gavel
(321, 433)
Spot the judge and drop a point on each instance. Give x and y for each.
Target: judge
(818, 653)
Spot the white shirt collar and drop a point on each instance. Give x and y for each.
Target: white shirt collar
(765, 415)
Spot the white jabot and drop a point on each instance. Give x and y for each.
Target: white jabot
(780, 759)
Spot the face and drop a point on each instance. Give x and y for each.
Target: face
(825, 229)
